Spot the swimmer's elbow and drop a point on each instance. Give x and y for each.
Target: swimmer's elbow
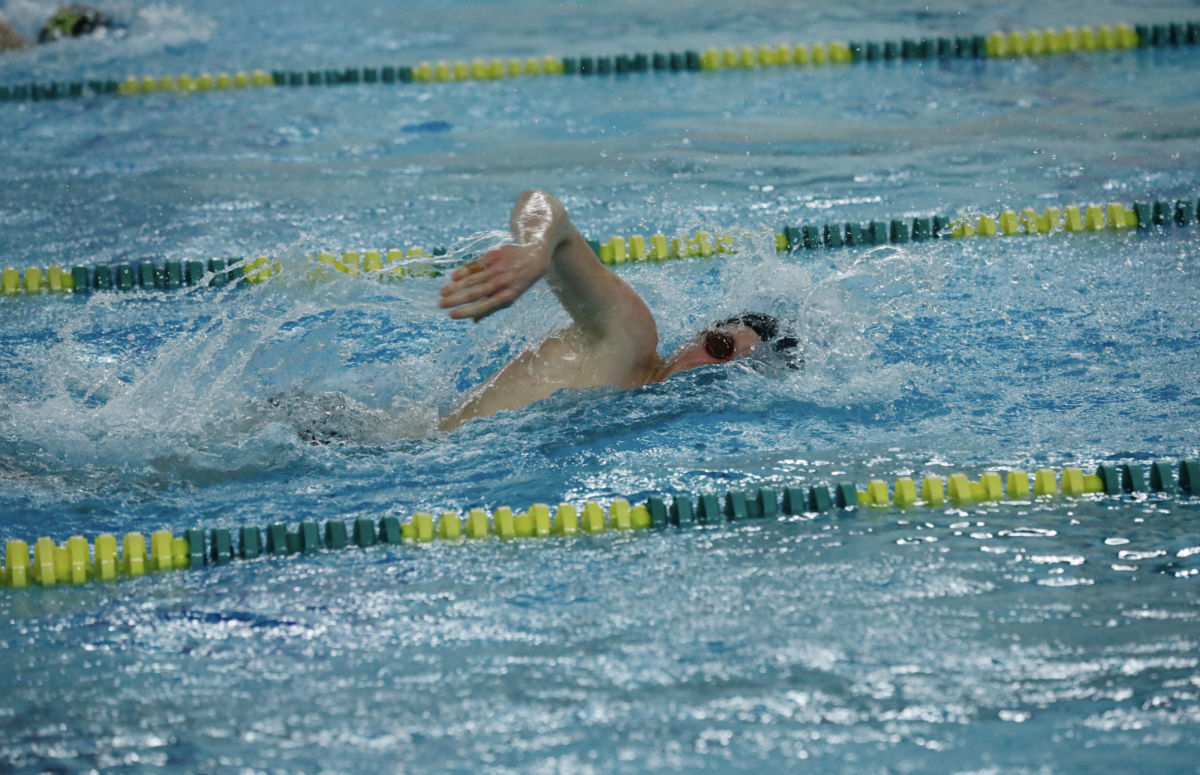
(535, 193)
(538, 217)
(541, 202)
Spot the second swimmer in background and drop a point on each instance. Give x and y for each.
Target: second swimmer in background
(612, 339)
(70, 21)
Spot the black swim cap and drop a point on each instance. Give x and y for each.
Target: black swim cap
(767, 328)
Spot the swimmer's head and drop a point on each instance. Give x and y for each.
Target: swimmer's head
(74, 21)
(750, 334)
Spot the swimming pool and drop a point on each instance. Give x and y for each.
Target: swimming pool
(1048, 636)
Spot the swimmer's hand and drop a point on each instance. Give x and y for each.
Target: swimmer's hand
(494, 281)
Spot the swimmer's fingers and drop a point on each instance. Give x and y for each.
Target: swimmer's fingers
(480, 310)
(470, 289)
(467, 278)
(479, 301)
(478, 272)
(470, 269)
(468, 283)
(492, 282)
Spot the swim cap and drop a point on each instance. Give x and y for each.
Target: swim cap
(74, 21)
(767, 328)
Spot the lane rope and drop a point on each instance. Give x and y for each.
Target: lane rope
(997, 45)
(395, 263)
(78, 561)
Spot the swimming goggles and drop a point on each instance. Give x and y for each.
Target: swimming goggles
(719, 345)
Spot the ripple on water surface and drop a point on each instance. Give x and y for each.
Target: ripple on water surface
(1018, 638)
(1024, 635)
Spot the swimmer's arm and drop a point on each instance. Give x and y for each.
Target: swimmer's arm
(603, 307)
(612, 339)
(10, 39)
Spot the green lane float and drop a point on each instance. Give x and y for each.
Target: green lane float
(394, 263)
(78, 562)
(997, 45)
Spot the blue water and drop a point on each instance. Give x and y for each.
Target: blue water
(1049, 637)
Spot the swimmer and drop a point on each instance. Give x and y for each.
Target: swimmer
(72, 21)
(612, 339)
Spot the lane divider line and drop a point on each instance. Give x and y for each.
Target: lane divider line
(78, 562)
(396, 263)
(997, 45)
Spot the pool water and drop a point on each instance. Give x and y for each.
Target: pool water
(1054, 636)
